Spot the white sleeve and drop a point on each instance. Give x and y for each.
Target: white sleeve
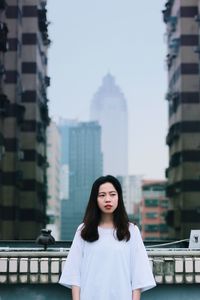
(72, 268)
(142, 276)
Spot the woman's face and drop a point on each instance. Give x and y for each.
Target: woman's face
(107, 198)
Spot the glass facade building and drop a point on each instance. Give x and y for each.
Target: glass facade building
(85, 165)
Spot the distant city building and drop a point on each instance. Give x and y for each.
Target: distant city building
(53, 179)
(154, 207)
(132, 191)
(108, 107)
(64, 126)
(136, 213)
(183, 39)
(85, 165)
(64, 182)
(23, 118)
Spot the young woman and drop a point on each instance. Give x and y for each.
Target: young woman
(107, 259)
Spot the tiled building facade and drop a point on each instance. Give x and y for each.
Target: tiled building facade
(182, 30)
(23, 117)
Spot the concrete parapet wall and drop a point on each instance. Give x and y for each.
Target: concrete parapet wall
(175, 266)
(44, 267)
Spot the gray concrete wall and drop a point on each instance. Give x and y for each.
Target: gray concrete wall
(55, 292)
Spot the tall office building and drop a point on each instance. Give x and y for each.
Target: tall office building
(64, 126)
(85, 165)
(53, 179)
(65, 206)
(108, 107)
(23, 117)
(182, 29)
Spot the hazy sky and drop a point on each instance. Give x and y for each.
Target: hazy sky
(125, 38)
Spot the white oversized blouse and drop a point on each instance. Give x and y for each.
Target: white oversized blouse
(108, 269)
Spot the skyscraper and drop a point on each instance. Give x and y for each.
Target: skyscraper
(85, 165)
(23, 117)
(182, 29)
(108, 107)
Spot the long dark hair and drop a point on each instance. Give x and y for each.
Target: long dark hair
(93, 214)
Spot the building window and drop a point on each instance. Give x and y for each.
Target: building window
(151, 228)
(3, 37)
(189, 68)
(164, 203)
(30, 11)
(190, 97)
(151, 215)
(13, 44)
(159, 188)
(189, 40)
(29, 96)
(11, 77)
(29, 39)
(12, 12)
(151, 202)
(163, 228)
(188, 11)
(11, 144)
(28, 125)
(29, 67)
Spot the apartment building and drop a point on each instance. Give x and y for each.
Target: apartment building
(23, 117)
(182, 30)
(154, 208)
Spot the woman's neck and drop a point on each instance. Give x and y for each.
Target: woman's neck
(106, 220)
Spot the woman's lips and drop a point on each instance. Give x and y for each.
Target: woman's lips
(108, 206)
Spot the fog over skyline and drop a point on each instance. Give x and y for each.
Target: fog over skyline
(91, 38)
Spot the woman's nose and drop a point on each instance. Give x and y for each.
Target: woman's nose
(107, 198)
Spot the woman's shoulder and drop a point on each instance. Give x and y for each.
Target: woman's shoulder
(77, 234)
(133, 228)
(80, 227)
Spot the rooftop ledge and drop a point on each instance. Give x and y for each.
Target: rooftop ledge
(36, 266)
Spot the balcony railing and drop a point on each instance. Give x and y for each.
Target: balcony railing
(35, 266)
